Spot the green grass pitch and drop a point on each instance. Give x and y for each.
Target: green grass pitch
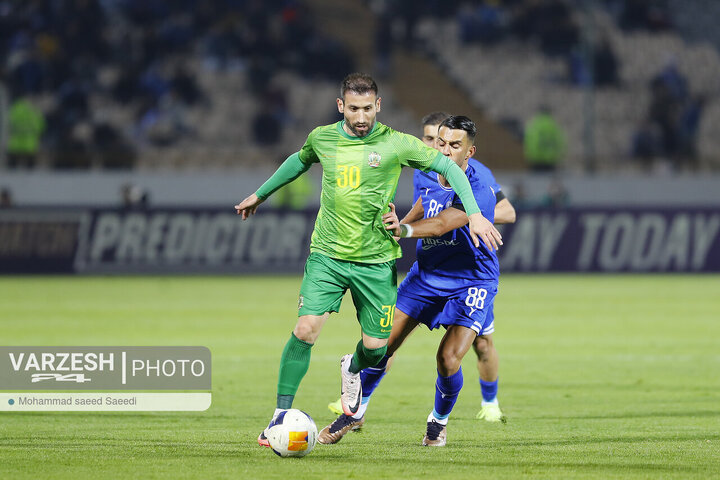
(600, 377)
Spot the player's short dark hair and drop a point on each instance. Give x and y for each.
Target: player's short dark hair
(461, 122)
(434, 118)
(360, 83)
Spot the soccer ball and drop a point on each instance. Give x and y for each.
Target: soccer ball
(293, 433)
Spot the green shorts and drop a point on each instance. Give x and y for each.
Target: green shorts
(373, 287)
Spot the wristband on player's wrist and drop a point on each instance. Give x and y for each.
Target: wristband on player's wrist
(406, 230)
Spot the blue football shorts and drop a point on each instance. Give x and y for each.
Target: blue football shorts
(436, 300)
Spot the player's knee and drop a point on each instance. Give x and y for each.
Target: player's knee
(448, 362)
(482, 346)
(306, 331)
(372, 342)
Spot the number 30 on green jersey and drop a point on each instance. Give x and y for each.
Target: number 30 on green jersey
(348, 176)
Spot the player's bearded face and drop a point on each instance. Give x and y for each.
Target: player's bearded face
(359, 111)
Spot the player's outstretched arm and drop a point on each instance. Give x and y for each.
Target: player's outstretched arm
(481, 228)
(447, 220)
(417, 212)
(247, 207)
(291, 169)
(504, 212)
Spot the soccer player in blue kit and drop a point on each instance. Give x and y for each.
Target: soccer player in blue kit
(484, 345)
(452, 283)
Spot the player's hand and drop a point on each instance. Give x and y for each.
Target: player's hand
(247, 207)
(482, 229)
(391, 222)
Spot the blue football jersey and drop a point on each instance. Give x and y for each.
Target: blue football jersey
(480, 168)
(453, 254)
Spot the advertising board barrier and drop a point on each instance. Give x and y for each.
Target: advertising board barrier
(186, 240)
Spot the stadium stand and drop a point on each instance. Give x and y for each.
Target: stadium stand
(219, 84)
(510, 78)
(160, 85)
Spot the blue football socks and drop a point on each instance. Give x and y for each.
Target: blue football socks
(447, 390)
(489, 390)
(370, 377)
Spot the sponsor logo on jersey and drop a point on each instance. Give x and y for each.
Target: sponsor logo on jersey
(428, 243)
(374, 159)
(301, 302)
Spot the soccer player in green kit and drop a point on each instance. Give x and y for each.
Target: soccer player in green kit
(351, 248)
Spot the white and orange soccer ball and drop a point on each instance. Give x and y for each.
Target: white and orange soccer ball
(293, 433)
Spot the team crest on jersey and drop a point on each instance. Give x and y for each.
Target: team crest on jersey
(374, 159)
(301, 302)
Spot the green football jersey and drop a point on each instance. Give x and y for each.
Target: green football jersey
(360, 176)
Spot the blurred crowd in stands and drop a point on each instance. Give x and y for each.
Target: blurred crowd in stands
(555, 27)
(68, 65)
(670, 127)
(94, 82)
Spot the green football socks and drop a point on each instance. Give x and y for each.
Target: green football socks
(366, 357)
(294, 365)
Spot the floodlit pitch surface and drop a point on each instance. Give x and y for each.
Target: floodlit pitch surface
(601, 377)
